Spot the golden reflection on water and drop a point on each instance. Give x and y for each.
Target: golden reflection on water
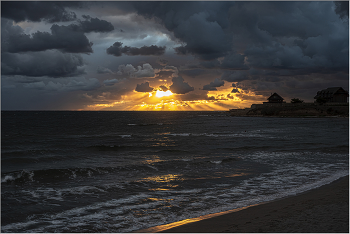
(150, 161)
(165, 189)
(218, 176)
(238, 174)
(159, 189)
(158, 199)
(162, 178)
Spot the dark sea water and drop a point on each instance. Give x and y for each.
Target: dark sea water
(124, 171)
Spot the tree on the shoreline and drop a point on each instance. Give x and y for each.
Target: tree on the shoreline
(296, 100)
(321, 100)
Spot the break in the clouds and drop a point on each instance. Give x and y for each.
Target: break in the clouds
(248, 49)
(118, 50)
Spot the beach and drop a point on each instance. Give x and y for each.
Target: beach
(321, 210)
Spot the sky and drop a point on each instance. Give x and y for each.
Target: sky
(171, 55)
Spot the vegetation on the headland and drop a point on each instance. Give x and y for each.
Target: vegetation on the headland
(321, 100)
(295, 110)
(296, 100)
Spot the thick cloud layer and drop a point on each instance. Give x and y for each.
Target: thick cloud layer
(50, 63)
(342, 8)
(201, 25)
(118, 50)
(38, 11)
(104, 70)
(65, 38)
(110, 82)
(265, 34)
(69, 38)
(72, 84)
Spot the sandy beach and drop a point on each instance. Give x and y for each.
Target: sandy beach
(322, 210)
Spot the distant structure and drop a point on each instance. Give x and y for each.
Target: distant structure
(275, 98)
(333, 94)
(329, 102)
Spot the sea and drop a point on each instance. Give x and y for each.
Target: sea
(115, 171)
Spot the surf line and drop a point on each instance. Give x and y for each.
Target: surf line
(164, 227)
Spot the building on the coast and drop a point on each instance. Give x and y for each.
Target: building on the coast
(333, 94)
(275, 98)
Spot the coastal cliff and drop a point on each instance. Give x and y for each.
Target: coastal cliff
(294, 110)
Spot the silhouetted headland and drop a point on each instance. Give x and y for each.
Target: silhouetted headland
(329, 102)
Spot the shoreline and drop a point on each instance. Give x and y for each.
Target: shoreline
(323, 209)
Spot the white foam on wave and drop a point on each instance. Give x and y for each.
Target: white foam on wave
(18, 175)
(152, 167)
(7, 178)
(17, 226)
(180, 134)
(111, 211)
(125, 136)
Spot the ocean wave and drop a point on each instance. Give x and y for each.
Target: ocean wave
(110, 147)
(51, 174)
(18, 176)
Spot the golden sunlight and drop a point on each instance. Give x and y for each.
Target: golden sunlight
(160, 93)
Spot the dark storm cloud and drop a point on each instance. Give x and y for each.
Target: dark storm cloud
(200, 25)
(179, 86)
(129, 71)
(117, 50)
(49, 63)
(164, 88)
(38, 11)
(233, 61)
(203, 38)
(342, 8)
(104, 70)
(164, 74)
(70, 84)
(162, 62)
(65, 38)
(290, 35)
(213, 85)
(95, 25)
(261, 35)
(235, 76)
(110, 82)
(144, 87)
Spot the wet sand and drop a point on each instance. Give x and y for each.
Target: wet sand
(322, 210)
